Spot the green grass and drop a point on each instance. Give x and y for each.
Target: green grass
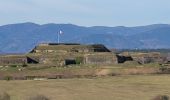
(140, 87)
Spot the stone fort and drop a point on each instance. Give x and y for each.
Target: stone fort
(61, 54)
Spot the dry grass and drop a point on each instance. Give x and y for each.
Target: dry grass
(4, 96)
(38, 97)
(116, 69)
(141, 87)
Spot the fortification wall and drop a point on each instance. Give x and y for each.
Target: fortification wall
(4, 60)
(63, 54)
(59, 48)
(145, 58)
(100, 58)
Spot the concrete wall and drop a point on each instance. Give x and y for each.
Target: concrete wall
(100, 58)
(4, 60)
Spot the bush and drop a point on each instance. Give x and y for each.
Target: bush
(79, 60)
(39, 97)
(4, 96)
(161, 97)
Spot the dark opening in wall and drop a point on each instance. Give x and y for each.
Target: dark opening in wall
(70, 61)
(31, 61)
(122, 59)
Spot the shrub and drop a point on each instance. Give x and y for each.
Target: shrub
(79, 60)
(39, 97)
(161, 97)
(4, 96)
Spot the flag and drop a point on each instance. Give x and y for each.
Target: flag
(61, 32)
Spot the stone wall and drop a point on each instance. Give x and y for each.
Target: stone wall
(100, 58)
(56, 48)
(4, 60)
(148, 58)
(63, 54)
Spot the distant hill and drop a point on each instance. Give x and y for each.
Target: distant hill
(22, 37)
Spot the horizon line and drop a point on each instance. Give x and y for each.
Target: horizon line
(41, 24)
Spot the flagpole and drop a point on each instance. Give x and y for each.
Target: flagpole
(59, 33)
(58, 37)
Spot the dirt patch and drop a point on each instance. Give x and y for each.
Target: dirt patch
(103, 72)
(135, 71)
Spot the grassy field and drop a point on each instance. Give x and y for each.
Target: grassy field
(135, 87)
(115, 69)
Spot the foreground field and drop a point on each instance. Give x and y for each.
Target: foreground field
(136, 87)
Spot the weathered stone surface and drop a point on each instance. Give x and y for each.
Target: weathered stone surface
(13, 60)
(100, 58)
(64, 54)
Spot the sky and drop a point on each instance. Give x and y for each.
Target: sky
(86, 12)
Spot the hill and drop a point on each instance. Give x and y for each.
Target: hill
(22, 37)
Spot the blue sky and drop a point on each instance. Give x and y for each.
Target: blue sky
(86, 12)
